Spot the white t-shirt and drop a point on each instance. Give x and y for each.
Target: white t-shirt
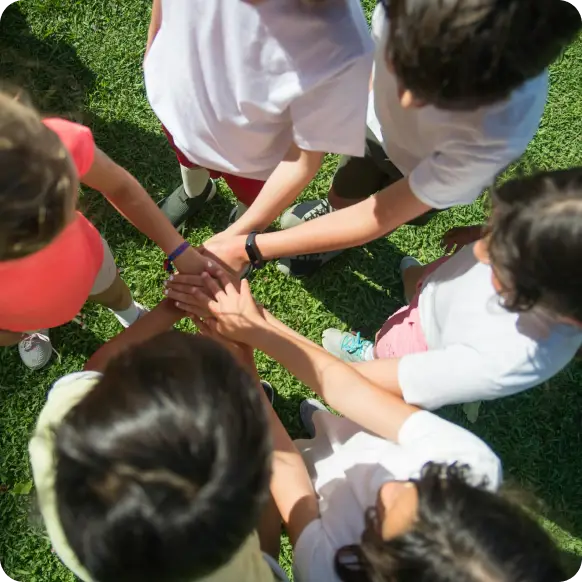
(450, 157)
(477, 349)
(348, 466)
(236, 83)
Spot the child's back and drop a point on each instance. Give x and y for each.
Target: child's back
(477, 349)
(236, 83)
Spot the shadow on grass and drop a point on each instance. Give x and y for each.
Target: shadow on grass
(360, 289)
(49, 70)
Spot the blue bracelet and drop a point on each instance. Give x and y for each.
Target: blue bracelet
(168, 263)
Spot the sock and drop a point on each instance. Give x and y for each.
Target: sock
(195, 180)
(368, 353)
(129, 315)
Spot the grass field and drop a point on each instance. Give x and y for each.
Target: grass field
(82, 60)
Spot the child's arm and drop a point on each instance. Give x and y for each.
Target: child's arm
(284, 185)
(127, 195)
(360, 400)
(354, 226)
(155, 23)
(160, 319)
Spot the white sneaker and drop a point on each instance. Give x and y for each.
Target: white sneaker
(141, 311)
(36, 349)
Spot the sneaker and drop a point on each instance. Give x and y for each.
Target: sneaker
(408, 262)
(346, 346)
(178, 206)
(305, 265)
(303, 212)
(36, 349)
(270, 393)
(141, 311)
(306, 411)
(236, 212)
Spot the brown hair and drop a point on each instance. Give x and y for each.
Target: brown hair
(535, 242)
(36, 180)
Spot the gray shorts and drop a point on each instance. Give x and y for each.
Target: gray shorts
(357, 178)
(362, 177)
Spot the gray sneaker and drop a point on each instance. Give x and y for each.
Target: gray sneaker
(36, 349)
(305, 265)
(306, 411)
(178, 206)
(303, 212)
(346, 346)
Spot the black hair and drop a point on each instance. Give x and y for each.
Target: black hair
(163, 468)
(535, 242)
(37, 180)
(462, 534)
(463, 54)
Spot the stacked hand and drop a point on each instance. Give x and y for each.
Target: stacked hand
(226, 250)
(217, 303)
(458, 237)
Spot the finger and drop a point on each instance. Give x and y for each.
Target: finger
(183, 279)
(211, 285)
(196, 310)
(226, 281)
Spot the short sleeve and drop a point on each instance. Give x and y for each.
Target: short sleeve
(426, 438)
(460, 373)
(78, 140)
(458, 174)
(332, 116)
(314, 555)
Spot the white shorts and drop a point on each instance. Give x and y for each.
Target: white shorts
(107, 272)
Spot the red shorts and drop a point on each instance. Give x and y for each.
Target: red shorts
(245, 189)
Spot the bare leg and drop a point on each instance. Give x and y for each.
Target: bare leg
(270, 529)
(338, 203)
(410, 278)
(117, 297)
(10, 338)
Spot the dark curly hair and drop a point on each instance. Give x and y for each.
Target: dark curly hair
(463, 54)
(37, 180)
(463, 534)
(534, 242)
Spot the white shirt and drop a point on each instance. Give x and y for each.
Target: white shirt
(236, 84)
(450, 157)
(348, 467)
(477, 349)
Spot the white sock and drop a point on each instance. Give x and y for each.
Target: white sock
(129, 315)
(369, 353)
(195, 180)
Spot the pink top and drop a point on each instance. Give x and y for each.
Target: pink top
(48, 288)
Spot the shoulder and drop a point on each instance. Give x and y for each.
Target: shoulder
(428, 438)
(77, 139)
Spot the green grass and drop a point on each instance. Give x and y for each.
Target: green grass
(82, 60)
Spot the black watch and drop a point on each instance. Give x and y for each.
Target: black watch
(253, 252)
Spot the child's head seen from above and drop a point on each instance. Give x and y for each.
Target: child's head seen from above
(439, 528)
(162, 469)
(464, 54)
(38, 183)
(534, 243)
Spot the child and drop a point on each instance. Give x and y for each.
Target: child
(52, 258)
(458, 91)
(402, 495)
(256, 91)
(156, 467)
(500, 316)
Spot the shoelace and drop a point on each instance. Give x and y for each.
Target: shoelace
(354, 344)
(29, 343)
(321, 209)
